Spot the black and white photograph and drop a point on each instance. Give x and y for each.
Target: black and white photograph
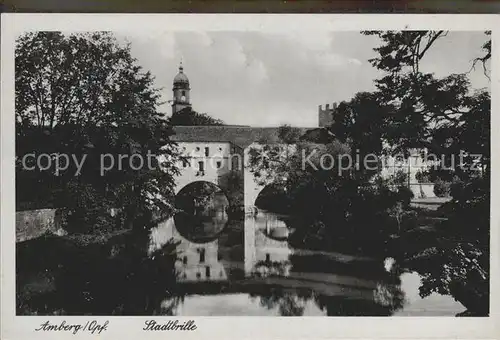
(196, 172)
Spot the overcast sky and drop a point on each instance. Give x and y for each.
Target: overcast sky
(260, 79)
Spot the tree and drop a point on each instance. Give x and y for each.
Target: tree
(429, 112)
(448, 118)
(85, 95)
(189, 117)
(288, 134)
(362, 123)
(317, 183)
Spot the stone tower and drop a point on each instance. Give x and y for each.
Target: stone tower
(325, 116)
(180, 91)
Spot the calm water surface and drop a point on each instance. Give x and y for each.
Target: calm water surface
(223, 268)
(248, 268)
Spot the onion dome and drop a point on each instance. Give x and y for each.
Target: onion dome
(181, 78)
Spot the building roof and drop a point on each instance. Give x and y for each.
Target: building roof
(241, 136)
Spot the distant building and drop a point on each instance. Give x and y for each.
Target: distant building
(215, 151)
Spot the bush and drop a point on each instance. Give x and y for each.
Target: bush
(422, 177)
(410, 220)
(442, 188)
(405, 195)
(400, 178)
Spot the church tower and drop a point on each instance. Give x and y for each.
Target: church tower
(180, 91)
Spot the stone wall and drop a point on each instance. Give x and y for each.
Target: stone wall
(31, 224)
(423, 190)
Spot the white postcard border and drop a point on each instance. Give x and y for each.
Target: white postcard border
(22, 327)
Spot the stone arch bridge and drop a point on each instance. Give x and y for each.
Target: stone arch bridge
(219, 155)
(224, 165)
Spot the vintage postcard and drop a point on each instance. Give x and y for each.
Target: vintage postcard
(317, 176)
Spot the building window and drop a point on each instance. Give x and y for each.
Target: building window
(220, 148)
(185, 260)
(183, 93)
(198, 275)
(268, 258)
(184, 163)
(201, 168)
(202, 255)
(197, 148)
(207, 271)
(219, 164)
(207, 151)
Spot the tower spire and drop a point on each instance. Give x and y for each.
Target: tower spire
(180, 90)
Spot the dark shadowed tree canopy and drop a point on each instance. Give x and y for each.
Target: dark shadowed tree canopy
(85, 95)
(448, 117)
(189, 117)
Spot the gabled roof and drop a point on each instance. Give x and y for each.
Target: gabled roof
(241, 136)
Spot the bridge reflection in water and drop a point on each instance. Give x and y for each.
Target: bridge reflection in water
(250, 269)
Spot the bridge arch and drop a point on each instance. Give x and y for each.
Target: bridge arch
(202, 211)
(252, 188)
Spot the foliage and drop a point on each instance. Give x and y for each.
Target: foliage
(288, 134)
(442, 188)
(334, 204)
(422, 177)
(83, 95)
(273, 198)
(456, 270)
(399, 178)
(361, 122)
(429, 112)
(445, 116)
(189, 117)
(232, 182)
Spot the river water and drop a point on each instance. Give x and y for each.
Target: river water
(222, 268)
(249, 268)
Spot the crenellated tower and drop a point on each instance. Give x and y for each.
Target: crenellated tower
(325, 115)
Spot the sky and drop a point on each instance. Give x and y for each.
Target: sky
(261, 79)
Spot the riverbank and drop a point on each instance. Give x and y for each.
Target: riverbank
(81, 274)
(434, 251)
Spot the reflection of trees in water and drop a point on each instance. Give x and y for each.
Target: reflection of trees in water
(201, 198)
(387, 298)
(202, 213)
(273, 198)
(271, 268)
(390, 296)
(198, 228)
(170, 304)
(293, 302)
(387, 295)
(88, 281)
(342, 306)
(289, 303)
